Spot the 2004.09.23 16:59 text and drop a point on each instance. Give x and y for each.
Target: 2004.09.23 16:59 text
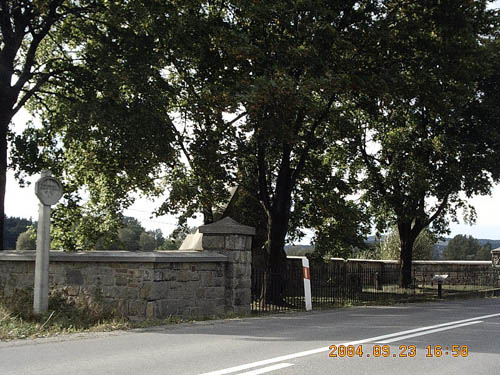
(405, 351)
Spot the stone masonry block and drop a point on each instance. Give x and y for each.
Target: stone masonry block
(212, 242)
(107, 280)
(214, 293)
(151, 310)
(145, 291)
(242, 297)
(137, 308)
(74, 277)
(219, 270)
(219, 281)
(248, 245)
(245, 283)
(158, 276)
(110, 292)
(147, 275)
(159, 291)
(236, 242)
(121, 280)
(200, 293)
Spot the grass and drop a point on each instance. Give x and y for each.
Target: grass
(64, 316)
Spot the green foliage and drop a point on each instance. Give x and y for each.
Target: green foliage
(191, 97)
(174, 241)
(13, 227)
(425, 123)
(463, 247)
(243, 91)
(390, 246)
(27, 239)
(484, 252)
(34, 56)
(132, 237)
(105, 126)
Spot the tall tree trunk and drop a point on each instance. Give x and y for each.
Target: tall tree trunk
(4, 123)
(276, 264)
(278, 218)
(407, 239)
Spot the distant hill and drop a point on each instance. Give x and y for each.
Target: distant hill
(494, 243)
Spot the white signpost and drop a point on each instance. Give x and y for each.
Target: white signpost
(306, 275)
(48, 190)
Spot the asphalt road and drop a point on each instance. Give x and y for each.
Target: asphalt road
(284, 344)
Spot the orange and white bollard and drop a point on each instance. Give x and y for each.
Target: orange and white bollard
(306, 275)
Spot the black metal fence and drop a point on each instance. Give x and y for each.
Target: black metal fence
(337, 286)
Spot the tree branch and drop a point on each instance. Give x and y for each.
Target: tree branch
(5, 25)
(370, 166)
(241, 115)
(29, 93)
(309, 139)
(440, 209)
(50, 20)
(261, 161)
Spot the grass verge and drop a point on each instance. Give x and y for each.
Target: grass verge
(64, 316)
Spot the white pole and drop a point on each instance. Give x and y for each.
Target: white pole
(306, 274)
(48, 190)
(41, 297)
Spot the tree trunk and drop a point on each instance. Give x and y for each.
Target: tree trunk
(208, 215)
(278, 216)
(276, 264)
(3, 174)
(407, 239)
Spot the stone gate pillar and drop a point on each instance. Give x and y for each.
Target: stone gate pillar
(233, 240)
(495, 258)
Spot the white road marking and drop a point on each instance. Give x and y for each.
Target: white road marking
(267, 369)
(266, 362)
(428, 330)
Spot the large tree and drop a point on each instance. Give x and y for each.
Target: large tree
(296, 59)
(32, 55)
(106, 129)
(208, 94)
(427, 127)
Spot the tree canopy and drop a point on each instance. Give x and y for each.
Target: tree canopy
(390, 246)
(463, 247)
(426, 124)
(35, 52)
(300, 103)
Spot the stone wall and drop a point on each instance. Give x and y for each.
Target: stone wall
(149, 285)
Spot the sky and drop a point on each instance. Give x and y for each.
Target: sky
(22, 202)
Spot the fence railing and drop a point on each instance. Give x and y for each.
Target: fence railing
(334, 286)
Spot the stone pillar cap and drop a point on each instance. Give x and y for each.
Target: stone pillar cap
(227, 226)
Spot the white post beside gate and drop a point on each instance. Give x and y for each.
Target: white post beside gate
(306, 275)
